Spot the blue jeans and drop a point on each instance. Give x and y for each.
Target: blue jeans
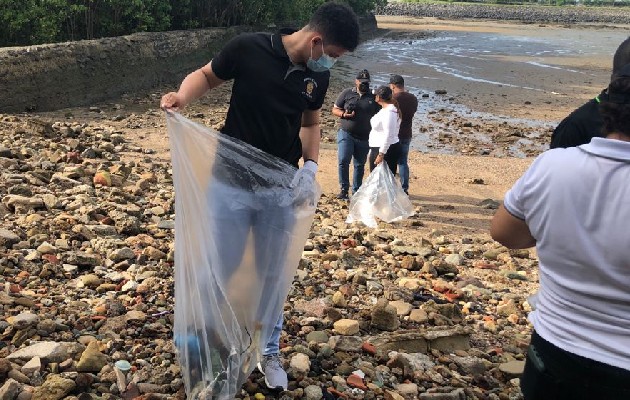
(271, 229)
(403, 163)
(350, 148)
(273, 345)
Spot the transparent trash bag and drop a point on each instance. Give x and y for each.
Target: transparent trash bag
(240, 228)
(380, 196)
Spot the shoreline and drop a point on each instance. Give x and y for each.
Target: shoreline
(526, 14)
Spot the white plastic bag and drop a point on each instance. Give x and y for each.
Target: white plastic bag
(380, 196)
(239, 236)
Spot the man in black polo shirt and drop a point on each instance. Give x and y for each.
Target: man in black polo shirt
(584, 123)
(355, 106)
(280, 81)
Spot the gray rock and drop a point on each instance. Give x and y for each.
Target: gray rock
(23, 321)
(418, 315)
(91, 280)
(513, 369)
(21, 204)
(5, 366)
(300, 363)
(413, 251)
(408, 389)
(374, 287)
(457, 394)
(402, 307)
(145, 387)
(8, 238)
(48, 352)
(92, 360)
(32, 366)
(346, 343)
(54, 388)
(18, 376)
(408, 342)
(317, 337)
(471, 365)
(313, 392)
(9, 390)
(385, 316)
(83, 259)
(454, 259)
(5, 152)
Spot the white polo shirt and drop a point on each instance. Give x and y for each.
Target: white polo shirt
(385, 126)
(576, 202)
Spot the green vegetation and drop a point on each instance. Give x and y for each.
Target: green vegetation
(27, 22)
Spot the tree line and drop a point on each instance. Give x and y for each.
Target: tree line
(28, 22)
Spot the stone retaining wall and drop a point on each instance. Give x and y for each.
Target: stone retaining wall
(55, 76)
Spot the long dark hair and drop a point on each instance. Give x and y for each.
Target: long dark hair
(615, 109)
(387, 95)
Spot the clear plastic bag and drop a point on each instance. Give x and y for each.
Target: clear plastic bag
(240, 229)
(380, 196)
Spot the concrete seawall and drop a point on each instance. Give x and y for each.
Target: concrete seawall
(55, 76)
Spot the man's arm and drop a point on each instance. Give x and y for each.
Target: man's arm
(510, 231)
(338, 112)
(195, 85)
(310, 135)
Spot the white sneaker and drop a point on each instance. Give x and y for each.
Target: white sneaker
(275, 376)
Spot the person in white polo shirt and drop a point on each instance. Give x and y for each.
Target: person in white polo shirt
(574, 205)
(383, 140)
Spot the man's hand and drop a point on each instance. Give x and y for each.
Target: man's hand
(303, 184)
(171, 101)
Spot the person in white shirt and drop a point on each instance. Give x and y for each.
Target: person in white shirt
(383, 141)
(573, 204)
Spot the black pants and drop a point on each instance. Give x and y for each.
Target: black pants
(555, 374)
(391, 157)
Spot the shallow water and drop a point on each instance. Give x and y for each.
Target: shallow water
(476, 57)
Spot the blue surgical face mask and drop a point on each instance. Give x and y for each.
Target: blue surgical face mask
(323, 63)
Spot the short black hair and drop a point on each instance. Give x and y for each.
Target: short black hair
(397, 80)
(622, 56)
(615, 110)
(384, 92)
(338, 25)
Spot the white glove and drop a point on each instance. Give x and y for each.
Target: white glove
(303, 184)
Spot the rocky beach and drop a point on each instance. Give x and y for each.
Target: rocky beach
(427, 308)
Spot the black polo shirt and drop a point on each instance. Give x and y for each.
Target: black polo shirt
(580, 126)
(364, 107)
(269, 94)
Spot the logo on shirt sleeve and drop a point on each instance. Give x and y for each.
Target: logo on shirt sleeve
(310, 85)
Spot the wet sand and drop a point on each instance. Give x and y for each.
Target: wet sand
(560, 92)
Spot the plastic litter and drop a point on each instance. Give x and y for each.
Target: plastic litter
(240, 227)
(123, 365)
(380, 196)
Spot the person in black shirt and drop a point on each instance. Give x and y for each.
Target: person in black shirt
(585, 122)
(280, 81)
(355, 106)
(408, 104)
